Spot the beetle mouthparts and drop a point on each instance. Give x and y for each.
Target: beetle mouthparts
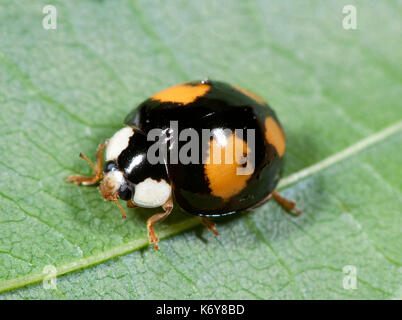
(109, 188)
(110, 185)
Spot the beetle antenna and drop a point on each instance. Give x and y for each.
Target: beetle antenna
(121, 208)
(87, 160)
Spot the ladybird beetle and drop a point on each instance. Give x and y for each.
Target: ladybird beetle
(222, 171)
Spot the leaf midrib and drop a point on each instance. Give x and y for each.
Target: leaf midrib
(190, 223)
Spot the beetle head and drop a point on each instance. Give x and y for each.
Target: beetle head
(115, 186)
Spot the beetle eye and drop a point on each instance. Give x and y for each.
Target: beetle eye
(125, 192)
(109, 166)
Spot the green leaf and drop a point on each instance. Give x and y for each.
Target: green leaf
(336, 91)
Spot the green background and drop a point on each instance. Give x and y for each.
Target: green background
(64, 91)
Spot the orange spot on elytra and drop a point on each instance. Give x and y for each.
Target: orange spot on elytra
(182, 93)
(251, 94)
(223, 166)
(274, 135)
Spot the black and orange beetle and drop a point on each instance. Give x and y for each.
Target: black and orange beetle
(217, 150)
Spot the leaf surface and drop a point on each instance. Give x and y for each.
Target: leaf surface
(337, 92)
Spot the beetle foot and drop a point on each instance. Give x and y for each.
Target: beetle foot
(285, 203)
(87, 181)
(210, 225)
(168, 207)
(153, 239)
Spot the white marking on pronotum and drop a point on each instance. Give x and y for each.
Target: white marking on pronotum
(337, 157)
(151, 193)
(118, 143)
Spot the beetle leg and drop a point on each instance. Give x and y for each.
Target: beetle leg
(97, 168)
(131, 204)
(285, 203)
(168, 207)
(210, 225)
